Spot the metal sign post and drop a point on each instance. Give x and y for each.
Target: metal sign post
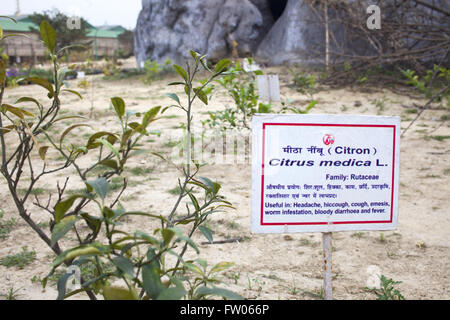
(326, 243)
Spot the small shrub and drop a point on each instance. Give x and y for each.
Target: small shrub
(153, 70)
(5, 226)
(303, 82)
(388, 290)
(240, 86)
(19, 260)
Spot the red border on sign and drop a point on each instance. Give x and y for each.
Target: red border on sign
(262, 223)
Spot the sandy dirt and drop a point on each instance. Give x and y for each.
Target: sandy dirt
(277, 266)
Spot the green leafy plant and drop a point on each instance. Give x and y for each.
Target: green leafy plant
(94, 213)
(153, 70)
(19, 260)
(308, 108)
(5, 226)
(388, 290)
(303, 82)
(202, 284)
(12, 294)
(434, 86)
(240, 86)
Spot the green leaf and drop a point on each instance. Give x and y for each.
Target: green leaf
(100, 186)
(69, 117)
(110, 147)
(167, 235)
(194, 201)
(83, 250)
(43, 83)
(14, 110)
(118, 293)
(207, 233)
(2, 70)
(149, 117)
(124, 265)
(220, 267)
(146, 237)
(176, 83)
(48, 35)
(151, 280)
(94, 223)
(174, 97)
(194, 54)
(72, 46)
(61, 286)
(174, 293)
(205, 64)
(43, 152)
(74, 92)
(119, 106)
(10, 18)
(201, 95)
(29, 99)
(110, 163)
(222, 65)
(181, 237)
(92, 142)
(63, 206)
(213, 187)
(62, 227)
(70, 129)
(224, 293)
(6, 129)
(181, 72)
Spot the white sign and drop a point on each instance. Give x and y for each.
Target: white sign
(324, 173)
(80, 74)
(268, 88)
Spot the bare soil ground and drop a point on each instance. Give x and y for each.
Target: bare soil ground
(278, 266)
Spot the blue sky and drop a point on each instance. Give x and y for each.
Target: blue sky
(96, 12)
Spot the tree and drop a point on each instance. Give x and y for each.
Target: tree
(66, 35)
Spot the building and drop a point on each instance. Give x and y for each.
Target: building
(105, 40)
(24, 47)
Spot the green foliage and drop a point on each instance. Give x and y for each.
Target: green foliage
(154, 70)
(95, 213)
(5, 226)
(303, 82)
(202, 282)
(388, 290)
(19, 260)
(297, 110)
(433, 85)
(240, 85)
(12, 294)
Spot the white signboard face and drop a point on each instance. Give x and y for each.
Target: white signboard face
(268, 87)
(324, 173)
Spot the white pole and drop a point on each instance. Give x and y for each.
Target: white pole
(327, 289)
(18, 8)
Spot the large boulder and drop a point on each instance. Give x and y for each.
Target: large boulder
(168, 29)
(288, 31)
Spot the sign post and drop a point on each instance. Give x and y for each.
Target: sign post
(326, 243)
(324, 173)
